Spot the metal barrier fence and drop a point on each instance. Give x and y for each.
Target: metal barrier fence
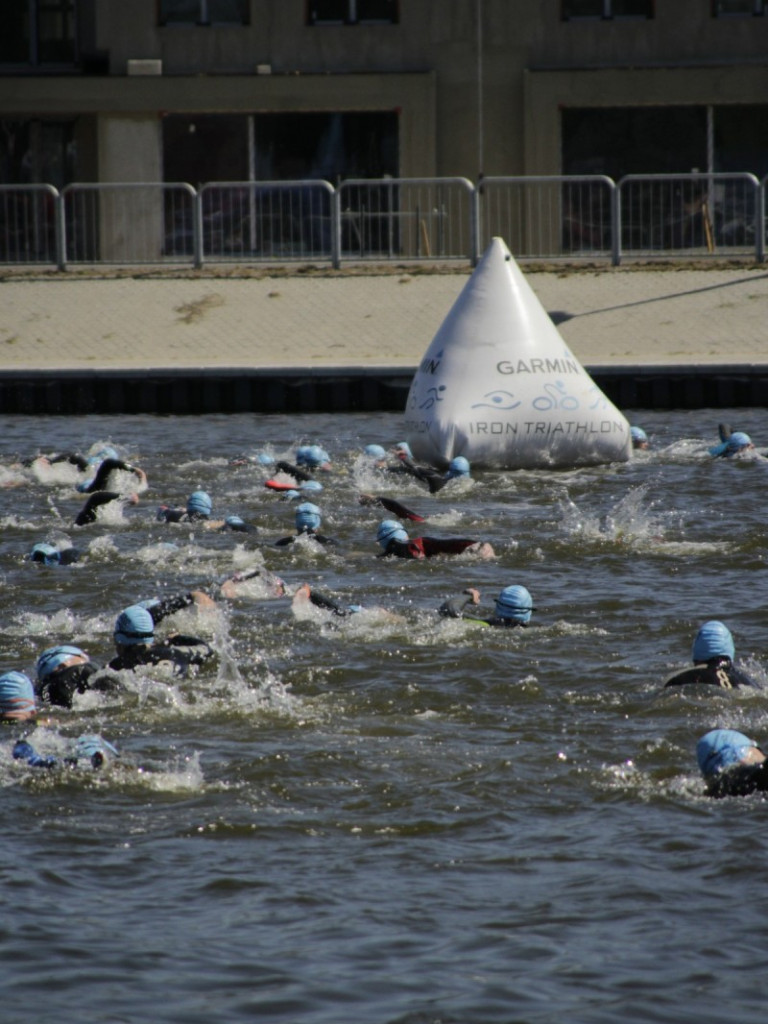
(568, 218)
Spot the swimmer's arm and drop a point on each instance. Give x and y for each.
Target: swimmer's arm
(454, 607)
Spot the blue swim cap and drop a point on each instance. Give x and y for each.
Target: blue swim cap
(737, 441)
(17, 695)
(403, 446)
(375, 451)
(458, 467)
(315, 456)
(291, 495)
(199, 503)
(638, 435)
(307, 517)
(265, 460)
(713, 640)
(389, 530)
(107, 452)
(94, 748)
(514, 603)
(301, 455)
(234, 521)
(51, 658)
(311, 485)
(134, 625)
(721, 748)
(46, 553)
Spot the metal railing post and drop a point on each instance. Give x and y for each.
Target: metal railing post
(760, 224)
(336, 229)
(616, 225)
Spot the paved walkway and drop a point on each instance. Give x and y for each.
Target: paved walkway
(612, 317)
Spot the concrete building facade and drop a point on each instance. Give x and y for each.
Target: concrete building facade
(232, 90)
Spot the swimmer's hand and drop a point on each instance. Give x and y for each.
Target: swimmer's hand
(201, 599)
(474, 594)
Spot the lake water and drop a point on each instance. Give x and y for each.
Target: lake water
(391, 818)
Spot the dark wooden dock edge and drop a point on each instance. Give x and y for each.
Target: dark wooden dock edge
(200, 391)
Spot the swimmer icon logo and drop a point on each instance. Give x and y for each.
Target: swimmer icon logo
(499, 385)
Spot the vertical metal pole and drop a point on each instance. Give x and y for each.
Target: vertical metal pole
(197, 228)
(616, 225)
(480, 111)
(251, 178)
(336, 229)
(711, 168)
(60, 231)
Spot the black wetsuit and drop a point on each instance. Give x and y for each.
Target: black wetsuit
(739, 780)
(426, 547)
(395, 507)
(74, 458)
(179, 515)
(322, 600)
(456, 608)
(99, 482)
(179, 650)
(62, 684)
(182, 651)
(435, 481)
(319, 537)
(298, 474)
(715, 672)
(88, 513)
(66, 556)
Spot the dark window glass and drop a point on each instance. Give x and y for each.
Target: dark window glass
(204, 12)
(352, 12)
(55, 31)
(206, 147)
(607, 9)
(38, 32)
(582, 9)
(634, 140)
(377, 10)
(14, 38)
(632, 8)
(335, 12)
(723, 8)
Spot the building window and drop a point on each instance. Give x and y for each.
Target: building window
(352, 12)
(739, 8)
(606, 9)
(37, 32)
(204, 12)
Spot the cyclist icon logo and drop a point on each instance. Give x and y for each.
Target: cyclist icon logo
(556, 397)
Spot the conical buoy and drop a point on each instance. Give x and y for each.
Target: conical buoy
(500, 386)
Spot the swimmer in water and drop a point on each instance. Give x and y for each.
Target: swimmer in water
(713, 655)
(64, 670)
(731, 763)
(89, 750)
(104, 468)
(198, 510)
(639, 438)
(396, 543)
(308, 520)
(737, 445)
(134, 636)
(458, 468)
(513, 607)
(17, 698)
(395, 507)
(309, 459)
(89, 513)
(54, 554)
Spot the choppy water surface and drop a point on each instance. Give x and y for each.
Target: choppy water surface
(390, 818)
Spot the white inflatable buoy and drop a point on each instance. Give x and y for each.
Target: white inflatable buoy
(499, 385)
